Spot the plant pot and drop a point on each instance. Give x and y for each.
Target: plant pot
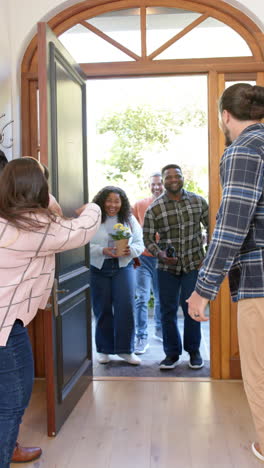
(120, 246)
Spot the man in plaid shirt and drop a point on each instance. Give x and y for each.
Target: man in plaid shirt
(177, 216)
(237, 245)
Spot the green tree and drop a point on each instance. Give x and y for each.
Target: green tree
(195, 118)
(191, 180)
(139, 129)
(136, 130)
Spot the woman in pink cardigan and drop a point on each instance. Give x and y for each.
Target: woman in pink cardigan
(30, 235)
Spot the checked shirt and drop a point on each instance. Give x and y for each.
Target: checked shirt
(179, 223)
(27, 263)
(237, 243)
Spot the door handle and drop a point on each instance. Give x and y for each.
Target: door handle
(55, 292)
(54, 295)
(62, 291)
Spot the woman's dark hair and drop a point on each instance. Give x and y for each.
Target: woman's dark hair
(243, 101)
(23, 191)
(42, 166)
(46, 171)
(125, 210)
(3, 160)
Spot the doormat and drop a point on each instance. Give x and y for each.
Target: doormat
(119, 368)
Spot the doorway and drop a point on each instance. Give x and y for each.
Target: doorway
(143, 60)
(186, 23)
(135, 127)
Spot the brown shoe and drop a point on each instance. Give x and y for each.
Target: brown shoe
(25, 454)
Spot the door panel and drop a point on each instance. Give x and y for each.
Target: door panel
(68, 352)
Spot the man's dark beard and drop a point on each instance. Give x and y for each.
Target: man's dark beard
(174, 192)
(228, 140)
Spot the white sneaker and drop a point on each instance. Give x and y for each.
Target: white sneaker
(131, 358)
(103, 358)
(141, 345)
(158, 334)
(256, 452)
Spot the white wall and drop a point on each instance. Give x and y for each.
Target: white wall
(22, 19)
(254, 9)
(5, 74)
(18, 19)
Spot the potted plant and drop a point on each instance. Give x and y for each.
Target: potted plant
(121, 235)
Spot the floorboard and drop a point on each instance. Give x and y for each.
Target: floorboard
(147, 424)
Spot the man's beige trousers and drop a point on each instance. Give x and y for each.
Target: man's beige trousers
(251, 347)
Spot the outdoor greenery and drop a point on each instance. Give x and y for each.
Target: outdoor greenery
(136, 130)
(142, 128)
(191, 182)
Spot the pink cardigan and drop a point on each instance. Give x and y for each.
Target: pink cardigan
(27, 263)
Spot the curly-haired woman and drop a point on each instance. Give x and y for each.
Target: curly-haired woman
(113, 278)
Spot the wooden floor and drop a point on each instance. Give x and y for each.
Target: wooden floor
(147, 424)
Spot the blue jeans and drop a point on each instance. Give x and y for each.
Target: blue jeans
(146, 280)
(16, 381)
(174, 290)
(113, 299)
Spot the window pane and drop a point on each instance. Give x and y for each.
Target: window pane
(212, 38)
(123, 26)
(136, 106)
(231, 83)
(87, 47)
(164, 23)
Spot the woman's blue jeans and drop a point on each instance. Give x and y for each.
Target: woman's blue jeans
(113, 299)
(174, 290)
(16, 382)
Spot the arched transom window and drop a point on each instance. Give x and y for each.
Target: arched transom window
(153, 33)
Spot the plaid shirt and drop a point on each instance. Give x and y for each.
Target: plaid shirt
(237, 244)
(177, 222)
(27, 263)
